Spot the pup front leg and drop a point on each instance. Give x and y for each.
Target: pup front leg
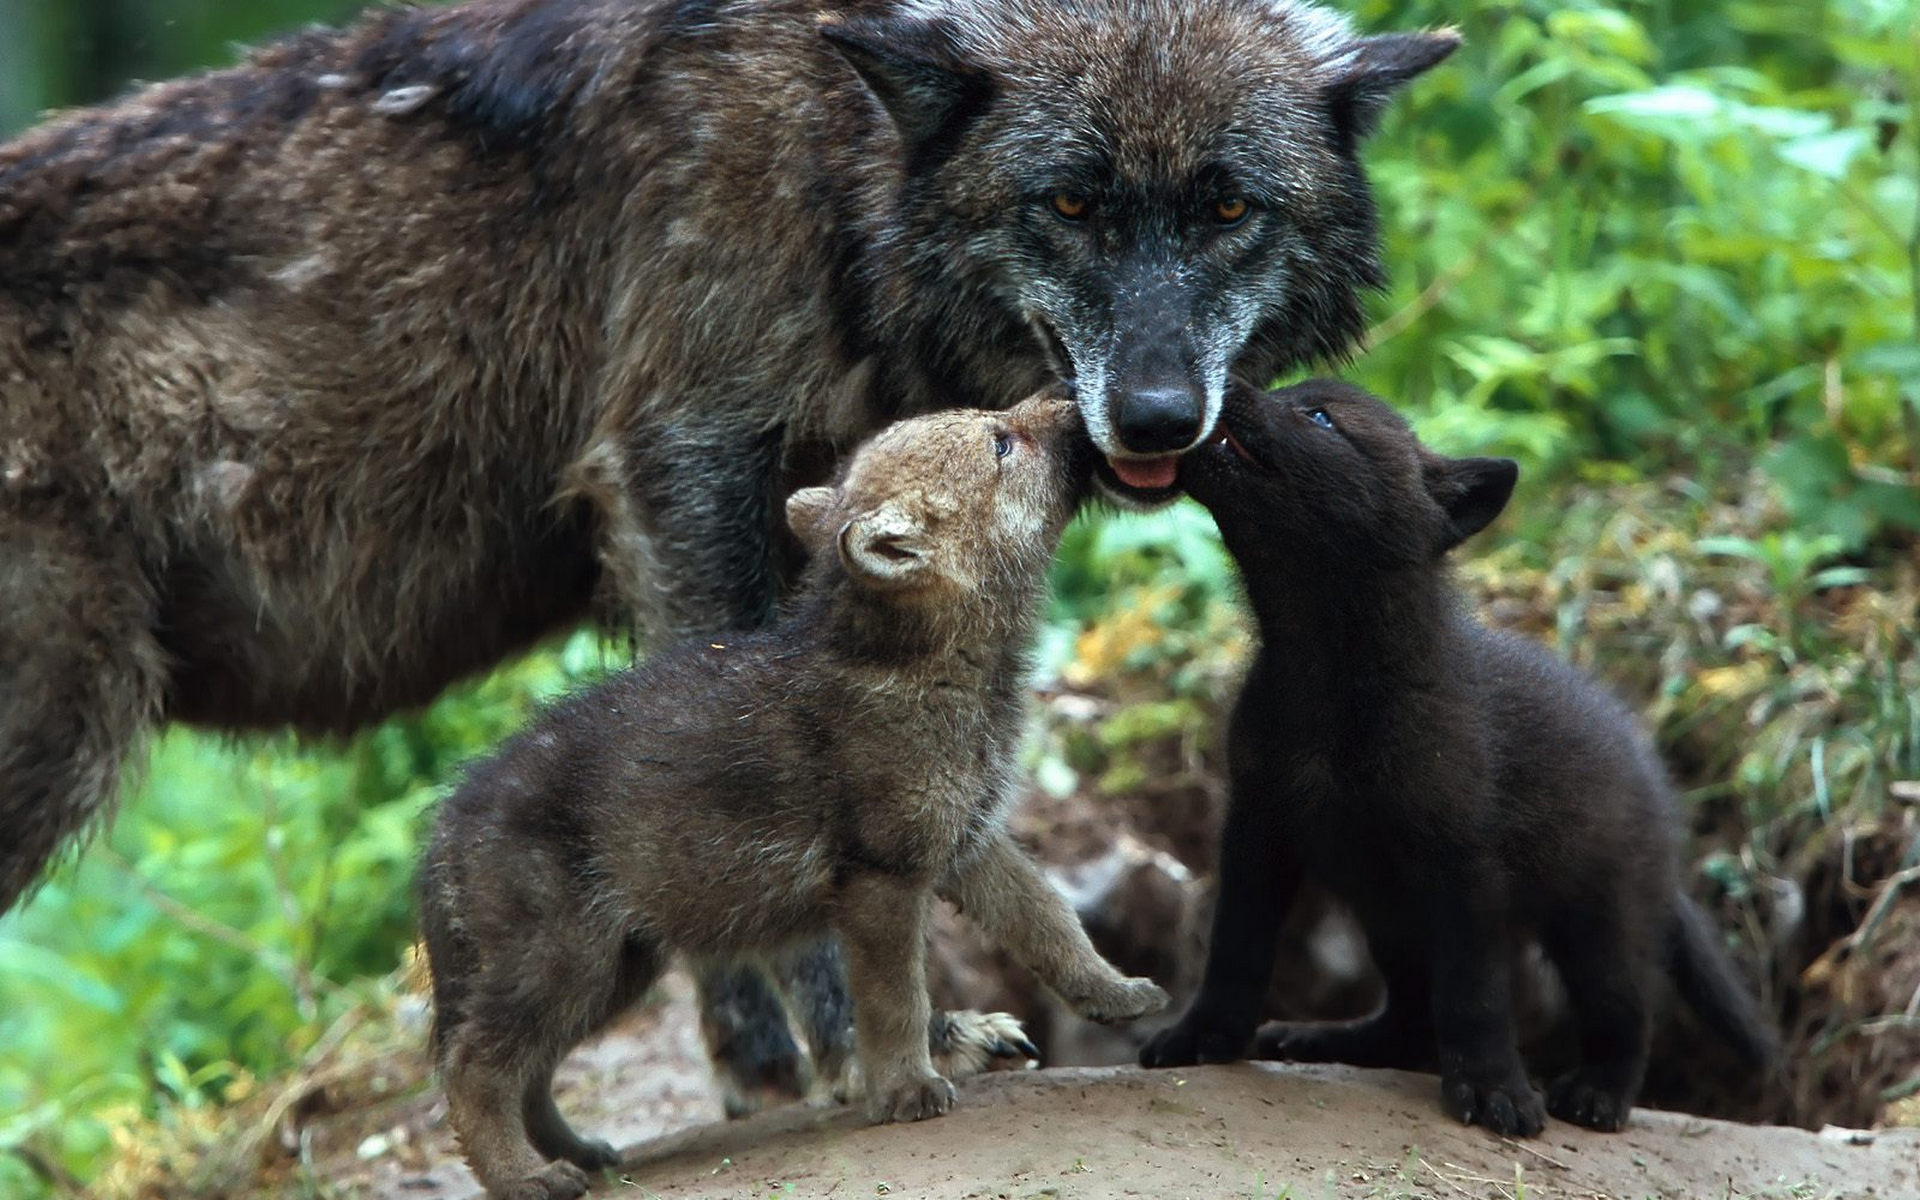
(883, 928)
(1003, 893)
(1257, 884)
(1482, 1079)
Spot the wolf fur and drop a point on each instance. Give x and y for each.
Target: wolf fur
(333, 377)
(1467, 793)
(831, 771)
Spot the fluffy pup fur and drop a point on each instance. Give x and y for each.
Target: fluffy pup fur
(741, 796)
(1466, 792)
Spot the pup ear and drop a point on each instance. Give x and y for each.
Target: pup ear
(807, 512)
(912, 66)
(1472, 492)
(886, 548)
(1366, 74)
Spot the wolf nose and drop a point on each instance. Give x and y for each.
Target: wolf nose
(1158, 420)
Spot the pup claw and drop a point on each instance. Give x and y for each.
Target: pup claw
(1509, 1107)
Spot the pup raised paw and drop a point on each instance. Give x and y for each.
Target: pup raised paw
(1121, 1000)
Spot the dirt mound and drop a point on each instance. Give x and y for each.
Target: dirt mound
(1253, 1130)
(1259, 1131)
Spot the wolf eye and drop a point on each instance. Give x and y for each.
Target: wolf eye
(1002, 445)
(1319, 417)
(1231, 210)
(1070, 206)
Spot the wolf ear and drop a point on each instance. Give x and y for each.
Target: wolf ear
(807, 513)
(1472, 492)
(1365, 75)
(885, 548)
(912, 66)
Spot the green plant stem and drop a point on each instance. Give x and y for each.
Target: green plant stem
(187, 917)
(1913, 243)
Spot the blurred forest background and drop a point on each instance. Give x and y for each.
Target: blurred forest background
(1664, 252)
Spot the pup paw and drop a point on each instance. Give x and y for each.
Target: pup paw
(555, 1181)
(1195, 1039)
(914, 1100)
(969, 1043)
(1123, 1000)
(1287, 1041)
(592, 1155)
(753, 1077)
(1584, 1100)
(1507, 1104)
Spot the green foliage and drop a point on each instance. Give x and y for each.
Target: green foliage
(223, 921)
(1663, 233)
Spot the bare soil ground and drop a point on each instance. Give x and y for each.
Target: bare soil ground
(1259, 1131)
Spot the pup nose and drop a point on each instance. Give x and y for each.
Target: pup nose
(1158, 420)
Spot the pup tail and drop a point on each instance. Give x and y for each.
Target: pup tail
(1709, 983)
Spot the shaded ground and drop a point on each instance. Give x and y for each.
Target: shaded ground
(1254, 1131)
(1257, 1131)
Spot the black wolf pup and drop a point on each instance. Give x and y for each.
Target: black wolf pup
(745, 795)
(1466, 792)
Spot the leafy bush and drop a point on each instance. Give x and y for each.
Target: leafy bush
(1684, 232)
(223, 921)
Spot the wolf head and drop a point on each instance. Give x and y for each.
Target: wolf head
(1166, 191)
(1323, 474)
(958, 504)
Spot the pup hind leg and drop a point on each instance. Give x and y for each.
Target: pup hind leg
(489, 1074)
(1399, 1035)
(1608, 980)
(640, 965)
(82, 679)
(527, 1008)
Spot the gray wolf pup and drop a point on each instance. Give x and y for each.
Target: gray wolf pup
(832, 771)
(336, 376)
(1465, 791)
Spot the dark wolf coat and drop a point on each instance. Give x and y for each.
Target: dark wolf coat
(330, 378)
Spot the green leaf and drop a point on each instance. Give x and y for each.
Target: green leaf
(1827, 154)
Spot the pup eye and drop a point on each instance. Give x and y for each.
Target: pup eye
(1070, 206)
(1231, 210)
(1319, 417)
(1002, 445)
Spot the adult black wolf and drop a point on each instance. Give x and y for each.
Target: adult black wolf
(332, 377)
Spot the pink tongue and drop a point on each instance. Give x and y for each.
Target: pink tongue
(1146, 473)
